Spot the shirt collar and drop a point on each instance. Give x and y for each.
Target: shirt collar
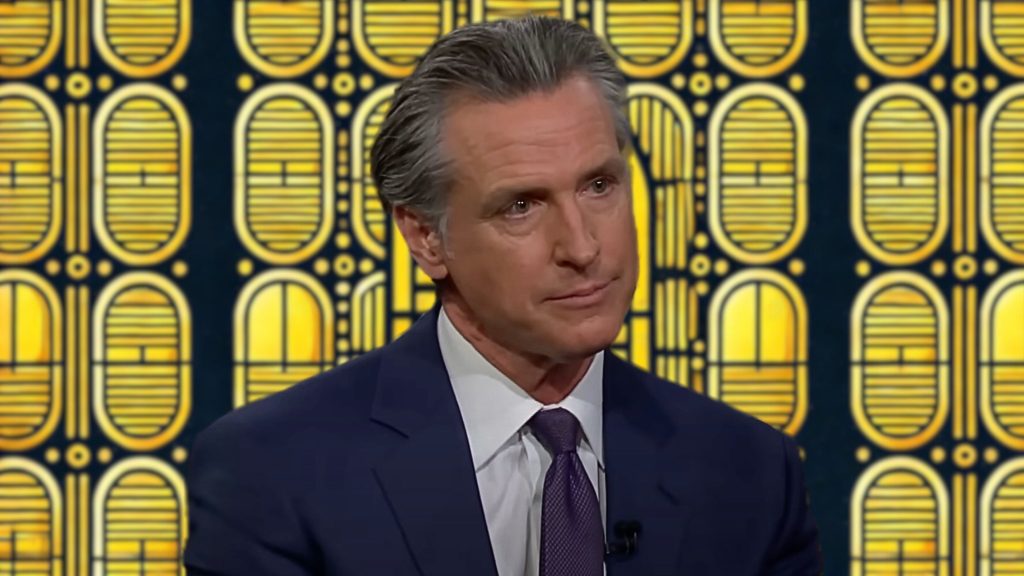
(494, 408)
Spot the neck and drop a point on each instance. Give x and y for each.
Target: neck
(546, 380)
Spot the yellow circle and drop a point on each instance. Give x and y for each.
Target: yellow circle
(342, 10)
(104, 455)
(52, 82)
(342, 138)
(179, 269)
(342, 45)
(698, 346)
(699, 207)
(699, 139)
(342, 326)
(343, 240)
(991, 455)
(700, 265)
(52, 267)
(583, 23)
(938, 82)
(343, 60)
(700, 240)
(702, 288)
(863, 82)
(179, 82)
(965, 455)
(342, 24)
(700, 84)
(991, 267)
(244, 267)
(796, 267)
(721, 267)
(796, 82)
(104, 268)
(700, 172)
(320, 81)
(52, 455)
(342, 205)
(179, 454)
(965, 85)
(343, 186)
(698, 363)
(321, 266)
(582, 7)
(700, 189)
(700, 108)
(79, 85)
(938, 454)
(344, 265)
(78, 267)
(991, 83)
(78, 456)
(344, 84)
(700, 60)
(722, 81)
(366, 82)
(343, 108)
(938, 268)
(863, 268)
(343, 346)
(342, 289)
(965, 267)
(365, 266)
(678, 81)
(863, 454)
(245, 82)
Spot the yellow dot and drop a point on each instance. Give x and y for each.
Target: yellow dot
(344, 84)
(991, 83)
(52, 455)
(721, 267)
(965, 85)
(700, 60)
(342, 138)
(179, 82)
(938, 455)
(342, 240)
(104, 268)
(342, 289)
(796, 82)
(78, 456)
(245, 82)
(344, 265)
(938, 268)
(582, 7)
(699, 207)
(700, 240)
(52, 82)
(342, 8)
(343, 60)
(698, 346)
(938, 82)
(342, 205)
(700, 265)
(991, 455)
(700, 189)
(79, 85)
(698, 363)
(366, 82)
(343, 186)
(343, 346)
(179, 269)
(78, 267)
(863, 454)
(965, 455)
(179, 454)
(343, 108)
(678, 81)
(342, 45)
(52, 267)
(342, 24)
(700, 108)
(863, 83)
(700, 84)
(700, 139)
(584, 23)
(702, 288)
(320, 81)
(796, 267)
(965, 267)
(244, 267)
(863, 268)
(365, 266)
(722, 81)
(700, 26)
(342, 326)
(701, 172)
(321, 266)
(104, 455)
(991, 267)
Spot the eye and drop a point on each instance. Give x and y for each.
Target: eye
(601, 185)
(518, 207)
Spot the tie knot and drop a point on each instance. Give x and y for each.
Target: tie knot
(557, 429)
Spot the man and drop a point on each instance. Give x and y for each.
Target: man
(499, 436)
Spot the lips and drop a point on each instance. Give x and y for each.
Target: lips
(583, 293)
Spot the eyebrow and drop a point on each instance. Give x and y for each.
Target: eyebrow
(499, 197)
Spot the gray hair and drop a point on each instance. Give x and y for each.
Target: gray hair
(495, 61)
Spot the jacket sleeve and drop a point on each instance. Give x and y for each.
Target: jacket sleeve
(239, 523)
(797, 549)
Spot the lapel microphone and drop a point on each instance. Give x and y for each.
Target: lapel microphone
(627, 533)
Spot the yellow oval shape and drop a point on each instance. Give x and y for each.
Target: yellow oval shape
(142, 38)
(30, 33)
(1001, 529)
(31, 518)
(284, 187)
(1002, 31)
(1002, 359)
(139, 522)
(142, 361)
(369, 222)
(757, 348)
(647, 38)
(900, 39)
(757, 161)
(491, 10)
(900, 174)
(30, 173)
(1002, 221)
(284, 38)
(284, 333)
(142, 205)
(900, 361)
(391, 36)
(758, 39)
(31, 359)
(899, 517)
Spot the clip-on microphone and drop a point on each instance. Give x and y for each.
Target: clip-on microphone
(627, 532)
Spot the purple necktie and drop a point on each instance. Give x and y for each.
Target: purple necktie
(571, 532)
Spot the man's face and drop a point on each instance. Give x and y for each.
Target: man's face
(540, 238)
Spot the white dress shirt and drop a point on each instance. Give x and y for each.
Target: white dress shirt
(510, 462)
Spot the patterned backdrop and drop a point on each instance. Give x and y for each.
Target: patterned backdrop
(830, 199)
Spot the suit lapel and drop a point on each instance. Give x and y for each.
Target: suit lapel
(429, 479)
(641, 447)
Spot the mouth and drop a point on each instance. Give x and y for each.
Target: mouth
(583, 296)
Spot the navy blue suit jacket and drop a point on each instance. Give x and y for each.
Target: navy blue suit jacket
(366, 470)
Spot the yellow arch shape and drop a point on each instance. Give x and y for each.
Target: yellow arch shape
(378, 62)
(635, 35)
(918, 66)
(481, 10)
(159, 66)
(303, 65)
(1011, 281)
(988, 223)
(361, 180)
(44, 479)
(45, 56)
(776, 66)
(988, 543)
(996, 54)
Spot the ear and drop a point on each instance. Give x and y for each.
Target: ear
(423, 240)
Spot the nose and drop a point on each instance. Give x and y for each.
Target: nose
(576, 245)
